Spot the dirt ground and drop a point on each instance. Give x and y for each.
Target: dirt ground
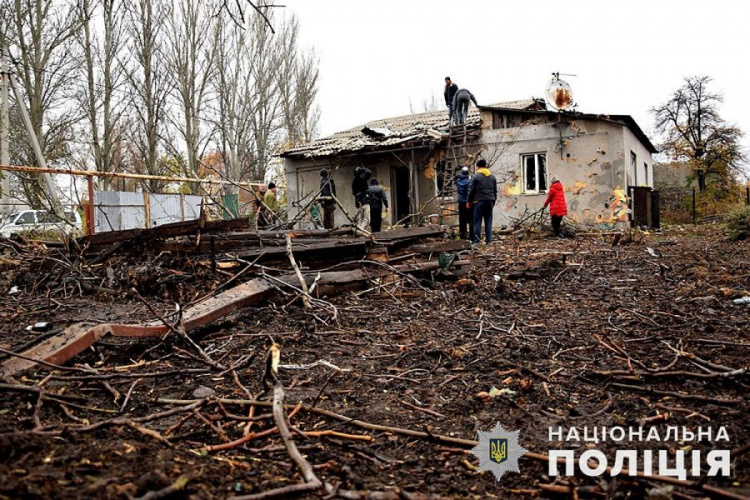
(572, 332)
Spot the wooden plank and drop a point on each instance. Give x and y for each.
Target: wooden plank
(322, 251)
(405, 234)
(80, 336)
(167, 230)
(439, 246)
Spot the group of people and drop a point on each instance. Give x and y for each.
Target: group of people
(477, 195)
(457, 101)
(369, 198)
(266, 205)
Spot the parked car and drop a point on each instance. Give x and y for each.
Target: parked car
(40, 221)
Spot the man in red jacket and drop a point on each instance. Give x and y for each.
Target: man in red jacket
(557, 206)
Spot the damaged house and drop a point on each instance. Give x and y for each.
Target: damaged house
(604, 162)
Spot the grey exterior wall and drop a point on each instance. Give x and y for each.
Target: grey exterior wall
(589, 156)
(644, 173)
(592, 161)
(673, 175)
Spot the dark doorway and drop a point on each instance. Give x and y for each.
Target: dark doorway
(400, 187)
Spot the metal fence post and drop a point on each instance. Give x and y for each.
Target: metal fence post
(695, 218)
(90, 224)
(147, 208)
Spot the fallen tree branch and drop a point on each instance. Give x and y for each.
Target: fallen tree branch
(694, 397)
(468, 443)
(312, 482)
(302, 282)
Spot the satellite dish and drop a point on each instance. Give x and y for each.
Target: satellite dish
(559, 94)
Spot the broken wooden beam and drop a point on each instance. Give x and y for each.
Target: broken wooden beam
(167, 230)
(79, 336)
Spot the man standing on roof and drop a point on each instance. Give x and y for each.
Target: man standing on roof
(461, 104)
(360, 184)
(482, 196)
(327, 192)
(465, 213)
(557, 206)
(449, 92)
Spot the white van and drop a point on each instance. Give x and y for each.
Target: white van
(41, 221)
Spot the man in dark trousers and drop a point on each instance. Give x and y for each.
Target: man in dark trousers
(482, 196)
(327, 190)
(461, 104)
(557, 206)
(449, 92)
(376, 198)
(465, 213)
(360, 184)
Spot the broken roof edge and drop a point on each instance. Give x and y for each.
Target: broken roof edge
(432, 126)
(624, 120)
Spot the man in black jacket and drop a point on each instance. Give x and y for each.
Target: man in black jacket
(327, 191)
(482, 196)
(461, 104)
(377, 199)
(360, 184)
(449, 91)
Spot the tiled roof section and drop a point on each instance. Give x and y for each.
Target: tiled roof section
(402, 129)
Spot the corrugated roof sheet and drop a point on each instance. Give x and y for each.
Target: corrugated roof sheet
(402, 129)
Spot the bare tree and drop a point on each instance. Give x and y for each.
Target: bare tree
(233, 88)
(266, 89)
(192, 44)
(693, 131)
(264, 52)
(149, 86)
(237, 10)
(40, 31)
(298, 86)
(103, 78)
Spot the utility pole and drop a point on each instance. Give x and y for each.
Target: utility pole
(49, 184)
(4, 131)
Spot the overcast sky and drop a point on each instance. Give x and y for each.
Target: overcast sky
(379, 56)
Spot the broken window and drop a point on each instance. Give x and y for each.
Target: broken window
(506, 120)
(534, 173)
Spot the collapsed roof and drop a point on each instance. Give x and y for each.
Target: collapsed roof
(394, 131)
(432, 126)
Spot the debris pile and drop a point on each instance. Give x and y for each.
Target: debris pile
(364, 369)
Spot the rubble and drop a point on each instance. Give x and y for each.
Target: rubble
(197, 369)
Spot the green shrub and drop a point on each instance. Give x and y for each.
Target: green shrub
(738, 224)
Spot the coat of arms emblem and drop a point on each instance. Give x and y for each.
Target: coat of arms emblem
(498, 451)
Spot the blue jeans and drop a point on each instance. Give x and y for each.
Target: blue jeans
(462, 109)
(483, 210)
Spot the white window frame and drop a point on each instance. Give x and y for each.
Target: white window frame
(536, 167)
(634, 168)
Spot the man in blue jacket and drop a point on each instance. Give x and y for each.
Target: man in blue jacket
(482, 196)
(465, 213)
